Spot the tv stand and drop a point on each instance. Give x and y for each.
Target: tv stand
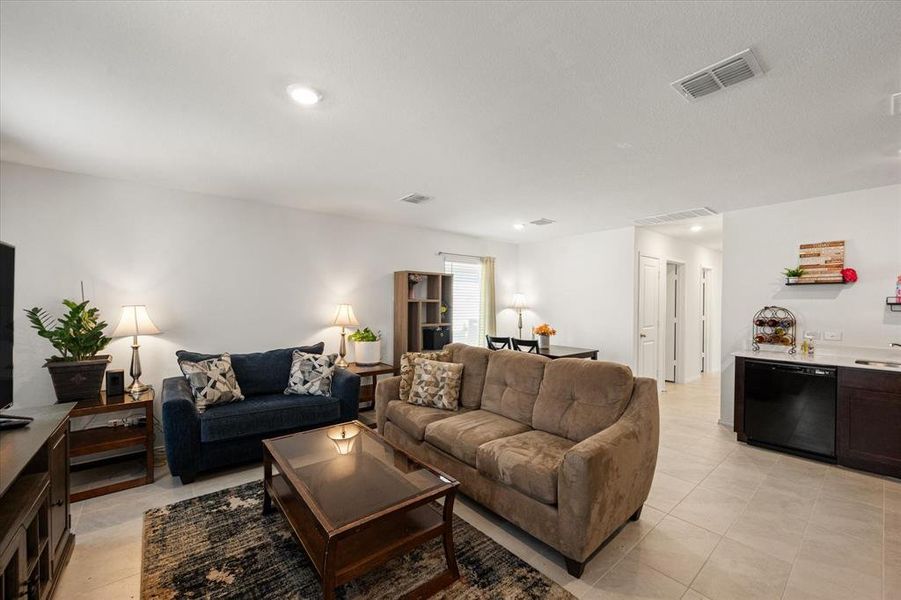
(14, 422)
(36, 539)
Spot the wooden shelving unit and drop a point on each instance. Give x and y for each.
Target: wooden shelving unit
(417, 310)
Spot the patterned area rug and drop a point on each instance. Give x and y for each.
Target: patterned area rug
(221, 546)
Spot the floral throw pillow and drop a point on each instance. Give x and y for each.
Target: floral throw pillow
(406, 368)
(212, 381)
(436, 383)
(311, 374)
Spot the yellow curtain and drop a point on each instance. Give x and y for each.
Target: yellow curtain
(487, 311)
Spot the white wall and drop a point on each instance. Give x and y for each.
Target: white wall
(760, 242)
(216, 274)
(585, 287)
(691, 258)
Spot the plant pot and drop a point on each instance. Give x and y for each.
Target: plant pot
(77, 379)
(368, 353)
(792, 279)
(544, 341)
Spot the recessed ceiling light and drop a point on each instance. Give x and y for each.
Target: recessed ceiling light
(304, 95)
(696, 228)
(519, 226)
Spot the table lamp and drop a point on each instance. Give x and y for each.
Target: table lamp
(519, 304)
(344, 317)
(344, 436)
(135, 322)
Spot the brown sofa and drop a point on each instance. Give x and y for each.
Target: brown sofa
(564, 449)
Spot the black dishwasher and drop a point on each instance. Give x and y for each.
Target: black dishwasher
(791, 407)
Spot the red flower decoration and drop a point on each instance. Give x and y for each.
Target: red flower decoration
(849, 275)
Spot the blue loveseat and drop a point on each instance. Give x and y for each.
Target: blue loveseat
(229, 434)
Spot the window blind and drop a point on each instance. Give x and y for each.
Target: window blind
(467, 296)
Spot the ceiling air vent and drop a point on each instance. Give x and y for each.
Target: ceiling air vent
(734, 69)
(542, 221)
(416, 199)
(681, 215)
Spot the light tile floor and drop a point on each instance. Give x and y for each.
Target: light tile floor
(724, 521)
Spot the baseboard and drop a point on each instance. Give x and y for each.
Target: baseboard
(726, 424)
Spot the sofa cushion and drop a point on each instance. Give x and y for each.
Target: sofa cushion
(461, 435)
(579, 398)
(413, 419)
(436, 384)
(512, 383)
(528, 462)
(257, 415)
(259, 372)
(212, 381)
(311, 374)
(406, 368)
(475, 363)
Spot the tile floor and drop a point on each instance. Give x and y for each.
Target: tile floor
(724, 521)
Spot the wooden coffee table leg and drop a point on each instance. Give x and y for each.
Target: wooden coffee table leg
(267, 481)
(328, 572)
(449, 553)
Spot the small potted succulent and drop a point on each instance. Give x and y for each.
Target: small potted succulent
(77, 370)
(792, 274)
(367, 346)
(544, 333)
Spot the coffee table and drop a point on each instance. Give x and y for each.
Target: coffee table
(354, 502)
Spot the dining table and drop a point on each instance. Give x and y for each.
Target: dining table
(568, 352)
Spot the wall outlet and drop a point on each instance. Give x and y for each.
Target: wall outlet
(832, 336)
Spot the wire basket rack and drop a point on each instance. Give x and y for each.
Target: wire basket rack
(774, 326)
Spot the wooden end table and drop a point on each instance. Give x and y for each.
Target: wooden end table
(367, 391)
(94, 440)
(355, 502)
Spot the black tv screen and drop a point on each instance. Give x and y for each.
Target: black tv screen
(7, 268)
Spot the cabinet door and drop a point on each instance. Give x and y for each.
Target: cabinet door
(59, 487)
(869, 423)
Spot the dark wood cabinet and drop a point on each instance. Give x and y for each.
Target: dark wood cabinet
(59, 489)
(868, 430)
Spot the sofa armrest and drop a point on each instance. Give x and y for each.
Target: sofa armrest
(386, 390)
(346, 388)
(181, 427)
(606, 478)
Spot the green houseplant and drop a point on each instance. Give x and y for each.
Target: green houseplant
(367, 346)
(792, 274)
(77, 336)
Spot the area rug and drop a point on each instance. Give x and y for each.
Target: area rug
(222, 546)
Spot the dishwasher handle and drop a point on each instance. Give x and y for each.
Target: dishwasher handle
(816, 371)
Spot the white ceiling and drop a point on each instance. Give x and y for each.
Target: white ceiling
(710, 235)
(503, 112)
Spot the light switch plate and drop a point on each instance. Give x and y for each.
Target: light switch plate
(832, 336)
(814, 335)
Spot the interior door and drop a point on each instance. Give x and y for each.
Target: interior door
(705, 325)
(648, 316)
(672, 320)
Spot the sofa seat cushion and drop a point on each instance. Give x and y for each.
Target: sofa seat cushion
(461, 435)
(413, 419)
(527, 462)
(262, 414)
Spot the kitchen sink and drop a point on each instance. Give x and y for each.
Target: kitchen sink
(879, 363)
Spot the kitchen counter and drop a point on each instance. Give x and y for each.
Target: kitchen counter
(831, 357)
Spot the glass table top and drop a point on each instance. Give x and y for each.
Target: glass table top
(349, 472)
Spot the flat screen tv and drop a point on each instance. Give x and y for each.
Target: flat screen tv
(7, 264)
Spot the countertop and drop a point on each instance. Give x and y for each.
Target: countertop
(831, 357)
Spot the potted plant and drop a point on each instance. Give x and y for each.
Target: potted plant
(77, 369)
(792, 274)
(544, 333)
(367, 346)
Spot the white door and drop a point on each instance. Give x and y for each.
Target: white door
(705, 322)
(672, 321)
(648, 315)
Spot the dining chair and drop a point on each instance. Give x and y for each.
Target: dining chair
(497, 343)
(525, 345)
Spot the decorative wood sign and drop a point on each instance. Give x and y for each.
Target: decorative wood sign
(822, 262)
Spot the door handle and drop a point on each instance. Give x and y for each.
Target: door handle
(642, 335)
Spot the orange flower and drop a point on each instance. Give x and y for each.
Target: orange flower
(544, 329)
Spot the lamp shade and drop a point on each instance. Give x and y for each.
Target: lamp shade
(135, 321)
(519, 301)
(345, 316)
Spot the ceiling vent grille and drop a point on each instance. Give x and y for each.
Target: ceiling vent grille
(416, 199)
(542, 221)
(681, 215)
(728, 72)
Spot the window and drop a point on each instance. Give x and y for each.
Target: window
(467, 299)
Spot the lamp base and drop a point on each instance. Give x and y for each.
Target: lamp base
(342, 363)
(137, 388)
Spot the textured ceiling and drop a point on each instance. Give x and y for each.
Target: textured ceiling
(503, 112)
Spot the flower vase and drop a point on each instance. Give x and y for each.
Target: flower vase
(544, 341)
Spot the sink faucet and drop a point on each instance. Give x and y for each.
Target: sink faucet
(894, 345)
